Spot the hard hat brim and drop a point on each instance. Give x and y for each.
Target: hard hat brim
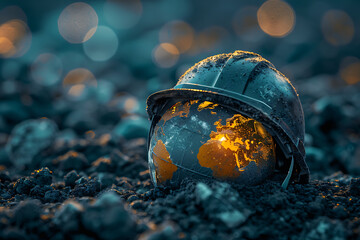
(250, 107)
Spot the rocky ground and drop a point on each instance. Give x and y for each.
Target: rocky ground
(56, 185)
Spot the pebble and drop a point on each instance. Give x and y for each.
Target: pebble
(104, 164)
(72, 161)
(27, 211)
(23, 185)
(53, 196)
(68, 216)
(29, 138)
(4, 176)
(354, 188)
(42, 176)
(70, 178)
(202, 192)
(137, 205)
(324, 228)
(108, 219)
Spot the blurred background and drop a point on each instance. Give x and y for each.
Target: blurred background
(89, 66)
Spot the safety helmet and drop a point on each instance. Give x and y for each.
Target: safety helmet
(242, 82)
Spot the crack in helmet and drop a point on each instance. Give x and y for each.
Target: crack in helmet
(231, 116)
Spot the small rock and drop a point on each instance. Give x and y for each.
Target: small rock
(104, 164)
(132, 198)
(234, 218)
(339, 212)
(202, 192)
(39, 191)
(222, 203)
(108, 219)
(324, 228)
(137, 205)
(23, 185)
(72, 161)
(30, 138)
(354, 188)
(4, 176)
(53, 196)
(106, 180)
(82, 180)
(68, 216)
(42, 176)
(70, 178)
(87, 188)
(27, 211)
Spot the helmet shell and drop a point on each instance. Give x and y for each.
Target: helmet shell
(250, 85)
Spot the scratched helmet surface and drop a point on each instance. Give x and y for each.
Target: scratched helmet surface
(241, 84)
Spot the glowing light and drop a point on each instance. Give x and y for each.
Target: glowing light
(91, 134)
(351, 73)
(78, 22)
(234, 145)
(46, 69)
(337, 27)
(166, 55)
(76, 90)
(5, 45)
(131, 104)
(178, 33)
(102, 46)
(79, 76)
(276, 18)
(78, 80)
(209, 38)
(246, 25)
(122, 14)
(15, 38)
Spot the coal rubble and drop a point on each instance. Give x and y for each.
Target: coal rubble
(77, 194)
(62, 182)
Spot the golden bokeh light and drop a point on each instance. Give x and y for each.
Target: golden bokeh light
(351, 73)
(209, 37)
(276, 18)
(78, 22)
(15, 38)
(131, 104)
(337, 27)
(76, 90)
(6, 46)
(166, 55)
(79, 76)
(178, 33)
